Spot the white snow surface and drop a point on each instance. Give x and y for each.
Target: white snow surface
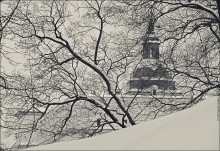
(195, 128)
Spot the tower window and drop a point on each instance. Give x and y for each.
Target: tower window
(154, 92)
(98, 121)
(150, 53)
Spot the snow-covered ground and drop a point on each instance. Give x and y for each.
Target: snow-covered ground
(196, 128)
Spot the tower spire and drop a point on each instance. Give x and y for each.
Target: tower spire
(150, 28)
(150, 41)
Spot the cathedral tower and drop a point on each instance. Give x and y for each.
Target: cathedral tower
(151, 76)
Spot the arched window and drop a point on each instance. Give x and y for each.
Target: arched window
(154, 92)
(98, 121)
(150, 53)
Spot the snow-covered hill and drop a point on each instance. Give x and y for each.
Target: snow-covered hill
(196, 128)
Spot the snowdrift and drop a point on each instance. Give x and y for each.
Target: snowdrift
(196, 128)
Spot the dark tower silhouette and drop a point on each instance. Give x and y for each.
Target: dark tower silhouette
(151, 73)
(150, 43)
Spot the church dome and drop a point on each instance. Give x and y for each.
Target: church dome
(145, 84)
(148, 72)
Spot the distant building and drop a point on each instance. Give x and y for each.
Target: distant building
(150, 76)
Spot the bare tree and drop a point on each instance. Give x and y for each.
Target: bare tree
(79, 56)
(60, 69)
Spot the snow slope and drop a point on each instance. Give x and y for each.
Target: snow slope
(196, 128)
